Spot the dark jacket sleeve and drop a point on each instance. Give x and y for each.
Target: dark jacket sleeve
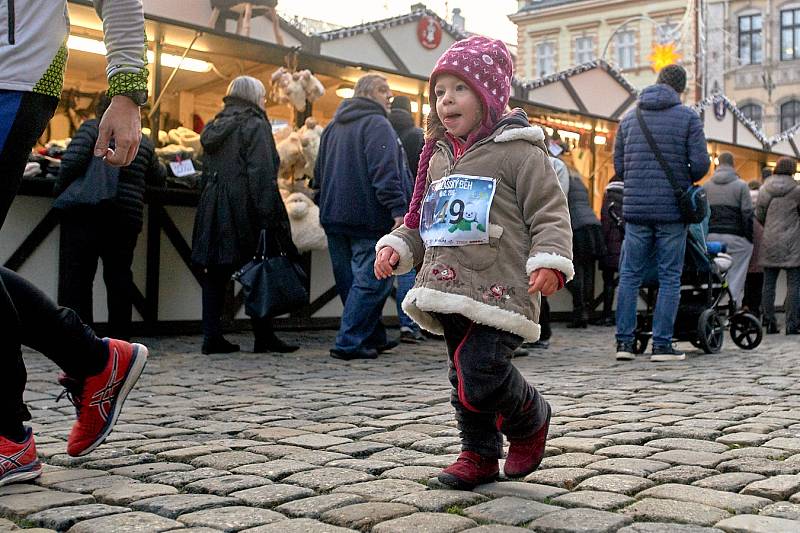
(76, 158)
(382, 150)
(261, 168)
(156, 174)
(697, 148)
(619, 152)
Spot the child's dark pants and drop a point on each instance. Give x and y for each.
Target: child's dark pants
(490, 396)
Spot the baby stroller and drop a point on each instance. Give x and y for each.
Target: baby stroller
(702, 316)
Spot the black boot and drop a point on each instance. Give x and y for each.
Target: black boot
(266, 341)
(218, 345)
(273, 344)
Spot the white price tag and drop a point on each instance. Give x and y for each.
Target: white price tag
(182, 168)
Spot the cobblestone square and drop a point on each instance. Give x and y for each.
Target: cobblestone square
(303, 442)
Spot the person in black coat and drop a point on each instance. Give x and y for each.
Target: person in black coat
(613, 234)
(587, 246)
(108, 231)
(239, 198)
(412, 139)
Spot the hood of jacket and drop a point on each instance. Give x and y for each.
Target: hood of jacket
(724, 174)
(658, 96)
(401, 120)
(356, 108)
(780, 185)
(227, 121)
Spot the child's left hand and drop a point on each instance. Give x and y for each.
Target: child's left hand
(543, 280)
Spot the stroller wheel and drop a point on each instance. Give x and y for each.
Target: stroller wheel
(710, 331)
(746, 331)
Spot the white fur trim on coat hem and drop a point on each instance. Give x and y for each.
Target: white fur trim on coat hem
(406, 263)
(548, 260)
(531, 133)
(421, 301)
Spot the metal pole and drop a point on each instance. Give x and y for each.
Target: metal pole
(154, 115)
(163, 90)
(697, 73)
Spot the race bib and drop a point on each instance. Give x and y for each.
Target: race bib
(455, 211)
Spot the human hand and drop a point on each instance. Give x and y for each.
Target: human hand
(398, 221)
(543, 280)
(122, 123)
(385, 262)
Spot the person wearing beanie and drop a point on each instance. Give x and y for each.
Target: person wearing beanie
(490, 227)
(731, 221)
(650, 209)
(412, 139)
(778, 210)
(361, 175)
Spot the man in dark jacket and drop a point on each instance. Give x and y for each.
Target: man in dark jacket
(651, 213)
(360, 172)
(731, 220)
(108, 231)
(412, 139)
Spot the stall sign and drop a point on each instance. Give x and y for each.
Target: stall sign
(429, 32)
(182, 168)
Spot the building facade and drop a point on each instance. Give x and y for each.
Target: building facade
(754, 58)
(554, 35)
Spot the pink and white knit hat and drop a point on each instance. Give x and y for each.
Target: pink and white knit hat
(485, 65)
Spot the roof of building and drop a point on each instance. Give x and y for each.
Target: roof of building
(574, 71)
(533, 5)
(730, 106)
(378, 25)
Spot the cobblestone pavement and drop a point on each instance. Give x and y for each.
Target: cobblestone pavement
(305, 443)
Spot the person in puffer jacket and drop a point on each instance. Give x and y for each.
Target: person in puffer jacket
(108, 231)
(731, 220)
(489, 226)
(650, 210)
(778, 210)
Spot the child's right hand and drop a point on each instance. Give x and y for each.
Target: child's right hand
(385, 262)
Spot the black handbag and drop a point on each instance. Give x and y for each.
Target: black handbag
(97, 185)
(692, 202)
(272, 286)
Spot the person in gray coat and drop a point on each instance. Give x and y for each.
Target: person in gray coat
(731, 220)
(778, 209)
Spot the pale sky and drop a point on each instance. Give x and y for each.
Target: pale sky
(487, 18)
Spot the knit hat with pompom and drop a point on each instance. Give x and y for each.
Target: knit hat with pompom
(485, 66)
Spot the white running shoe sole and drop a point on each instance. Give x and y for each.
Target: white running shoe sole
(625, 356)
(663, 358)
(26, 473)
(139, 361)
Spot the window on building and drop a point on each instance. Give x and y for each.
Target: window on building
(666, 33)
(625, 45)
(753, 112)
(750, 46)
(584, 50)
(545, 59)
(790, 114)
(790, 34)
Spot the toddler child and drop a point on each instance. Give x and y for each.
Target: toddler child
(489, 228)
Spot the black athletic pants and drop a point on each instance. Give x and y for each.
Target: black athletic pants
(27, 315)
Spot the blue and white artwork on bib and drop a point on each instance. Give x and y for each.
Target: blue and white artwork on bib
(455, 211)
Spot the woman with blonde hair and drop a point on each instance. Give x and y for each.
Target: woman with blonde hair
(239, 198)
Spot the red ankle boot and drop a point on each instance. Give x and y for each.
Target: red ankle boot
(525, 455)
(469, 471)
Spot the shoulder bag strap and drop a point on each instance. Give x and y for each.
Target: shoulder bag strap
(658, 154)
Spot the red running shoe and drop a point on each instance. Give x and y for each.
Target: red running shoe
(18, 460)
(525, 455)
(98, 400)
(469, 471)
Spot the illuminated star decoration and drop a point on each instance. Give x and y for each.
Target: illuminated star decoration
(663, 55)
